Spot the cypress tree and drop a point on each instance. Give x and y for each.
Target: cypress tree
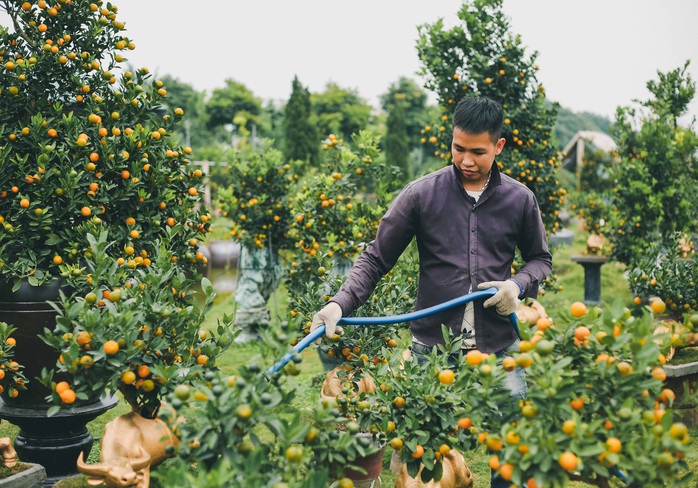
(396, 140)
(300, 136)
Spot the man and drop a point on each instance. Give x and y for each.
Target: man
(468, 220)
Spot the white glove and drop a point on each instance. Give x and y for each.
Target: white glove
(506, 299)
(329, 315)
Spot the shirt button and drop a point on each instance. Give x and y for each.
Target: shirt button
(472, 251)
(472, 273)
(472, 230)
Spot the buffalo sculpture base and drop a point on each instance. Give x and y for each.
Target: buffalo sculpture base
(131, 446)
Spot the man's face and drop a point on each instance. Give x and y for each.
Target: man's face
(473, 155)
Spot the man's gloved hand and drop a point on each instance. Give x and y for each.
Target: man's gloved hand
(329, 315)
(506, 299)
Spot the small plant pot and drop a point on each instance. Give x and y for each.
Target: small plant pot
(31, 476)
(678, 378)
(371, 464)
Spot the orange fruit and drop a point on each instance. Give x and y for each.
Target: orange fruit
(531, 483)
(465, 423)
(581, 333)
(57, 260)
(506, 471)
(568, 461)
(578, 309)
(24, 203)
(568, 427)
(85, 211)
(128, 377)
(524, 360)
(67, 396)
(446, 377)
(11, 341)
(494, 463)
(418, 452)
(509, 363)
(577, 403)
(83, 337)
(143, 371)
(658, 306)
(614, 445)
(494, 443)
(543, 323)
(474, 357)
(396, 443)
(659, 374)
(202, 360)
(111, 347)
(62, 386)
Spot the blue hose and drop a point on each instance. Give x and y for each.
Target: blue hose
(394, 319)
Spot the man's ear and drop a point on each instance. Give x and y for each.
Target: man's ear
(499, 146)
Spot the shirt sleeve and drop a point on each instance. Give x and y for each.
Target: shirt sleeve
(395, 232)
(533, 244)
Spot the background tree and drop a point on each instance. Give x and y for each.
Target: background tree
(301, 139)
(340, 111)
(233, 101)
(655, 193)
(480, 56)
(397, 150)
(414, 102)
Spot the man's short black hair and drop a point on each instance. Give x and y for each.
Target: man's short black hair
(476, 115)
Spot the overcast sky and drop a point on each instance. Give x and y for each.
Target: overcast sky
(594, 55)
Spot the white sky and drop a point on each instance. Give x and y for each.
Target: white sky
(594, 54)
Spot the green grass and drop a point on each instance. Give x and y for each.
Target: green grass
(570, 275)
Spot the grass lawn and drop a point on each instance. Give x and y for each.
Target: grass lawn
(308, 382)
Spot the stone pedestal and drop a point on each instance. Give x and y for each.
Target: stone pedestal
(592, 276)
(55, 442)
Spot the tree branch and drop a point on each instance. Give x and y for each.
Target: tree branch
(13, 15)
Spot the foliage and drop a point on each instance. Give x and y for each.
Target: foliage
(481, 57)
(413, 98)
(333, 218)
(192, 131)
(81, 150)
(301, 140)
(339, 111)
(257, 201)
(667, 274)
(233, 104)
(133, 332)
(595, 407)
(12, 380)
(236, 425)
(396, 140)
(361, 346)
(425, 410)
(655, 191)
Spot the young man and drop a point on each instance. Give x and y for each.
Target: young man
(468, 219)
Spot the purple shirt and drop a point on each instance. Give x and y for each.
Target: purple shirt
(460, 244)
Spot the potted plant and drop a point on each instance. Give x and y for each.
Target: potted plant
(424, 409)
(82, 149)
(596, 408)
(257, 203)
(238, 432)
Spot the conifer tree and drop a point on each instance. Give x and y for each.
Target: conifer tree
(301, 138)
(397, 149)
